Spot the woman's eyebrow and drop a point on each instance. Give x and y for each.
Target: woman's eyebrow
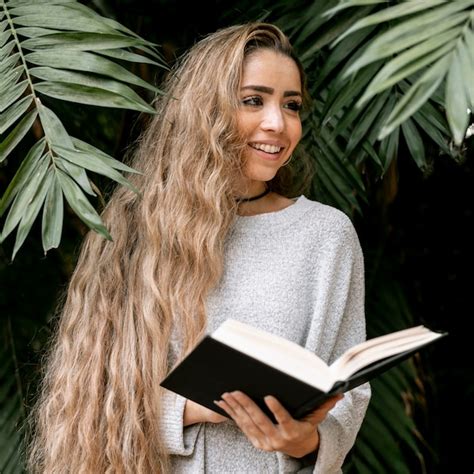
(270, 90)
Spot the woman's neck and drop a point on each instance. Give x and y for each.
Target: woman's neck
(272, 202)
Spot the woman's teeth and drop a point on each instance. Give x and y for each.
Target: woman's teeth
(266, 148)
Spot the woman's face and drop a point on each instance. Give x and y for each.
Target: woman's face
(268, 117)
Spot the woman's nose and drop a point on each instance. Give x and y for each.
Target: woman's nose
(273, 120)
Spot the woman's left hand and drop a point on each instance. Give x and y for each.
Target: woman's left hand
(297, 438)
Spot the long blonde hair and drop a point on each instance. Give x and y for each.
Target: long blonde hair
(99, 404)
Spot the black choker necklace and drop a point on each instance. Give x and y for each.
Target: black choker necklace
(253, 198)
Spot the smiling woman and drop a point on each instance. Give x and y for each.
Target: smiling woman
(268, 119)
(214, 234)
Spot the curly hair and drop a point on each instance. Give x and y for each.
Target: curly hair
(99, 405)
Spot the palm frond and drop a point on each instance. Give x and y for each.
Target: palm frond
(435, 40)
(62, 50)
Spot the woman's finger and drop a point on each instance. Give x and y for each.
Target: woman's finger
(255, 413)
(318, 415)
(227, 408)
(245, 422)
(281, 414)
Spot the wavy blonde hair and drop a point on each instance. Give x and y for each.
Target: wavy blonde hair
(99, 404)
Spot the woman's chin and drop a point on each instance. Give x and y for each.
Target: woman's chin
(261, 174)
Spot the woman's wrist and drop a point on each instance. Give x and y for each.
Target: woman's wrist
(308, 448)
(195, 413)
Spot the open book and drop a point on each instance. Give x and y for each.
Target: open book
(237, 356)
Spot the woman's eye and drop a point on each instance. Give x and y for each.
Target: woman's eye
(295, 106)
(253, 101)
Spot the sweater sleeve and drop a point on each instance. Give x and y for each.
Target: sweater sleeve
(178, 440)
(339, 430)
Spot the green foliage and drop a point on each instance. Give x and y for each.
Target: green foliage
(60, 49)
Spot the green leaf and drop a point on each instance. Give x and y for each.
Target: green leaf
(345, 49)
(469, 41)
(24, 198)
(416, 96)
(415, 143)
(3, 25)
(116, 26)
(16, 135)
(80, 41)
(31, 212)
(391, 13)
(405, 65)
(457, 103)
(337, 26)
(90, 95)
(343, 200)
(11, 78)
(22, 175)
(338, 158)
(9, 64)
(122, 55)
(466, 60)
(94, 164)
(21, 3)
(79, 174)
(56, 134)
(112, 162)
(53, 127)
(378, 427)
(425, 123)
(343, 4)
(88, 62)
(368, 121)
(33, 32)
(343, 94)
(369, 456)
(12, 94)
(4, 37)
(6, 50)
(81, 206)
(14, 112)
(61, 18)
(389, 44)
(389, 148)
(53, 212)
(370, 151)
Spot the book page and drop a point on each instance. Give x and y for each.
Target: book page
(276, 352)
(363, 355)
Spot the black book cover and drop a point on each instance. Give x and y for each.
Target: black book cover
(213, 368)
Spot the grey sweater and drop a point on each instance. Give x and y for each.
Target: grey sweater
(298, 273)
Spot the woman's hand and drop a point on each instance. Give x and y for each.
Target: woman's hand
(297, 438)
(195, 413)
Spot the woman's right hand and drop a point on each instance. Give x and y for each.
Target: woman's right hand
(195, 413)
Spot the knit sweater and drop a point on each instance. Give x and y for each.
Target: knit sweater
(298, 273)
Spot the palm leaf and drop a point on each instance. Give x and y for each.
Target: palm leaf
(387, 430)
(58, 49)
(433, 40)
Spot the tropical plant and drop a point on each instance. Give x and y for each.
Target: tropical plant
(384, 77)
(53, 51)
(63, 50)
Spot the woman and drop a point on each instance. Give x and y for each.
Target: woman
(213, 235)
